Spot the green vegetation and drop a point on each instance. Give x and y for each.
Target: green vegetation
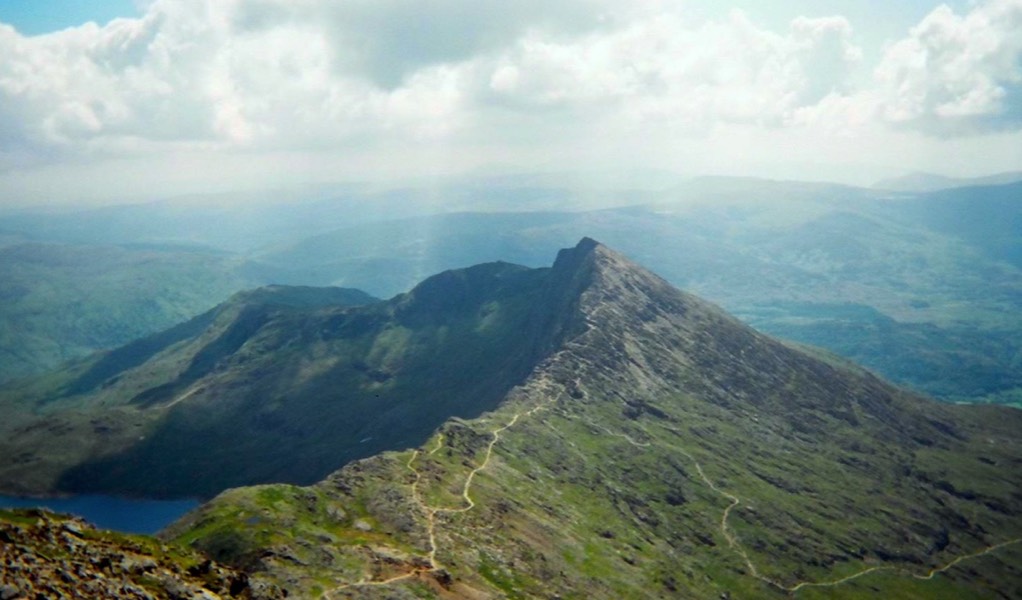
(64, 302)
(283, 385)
(922, 355)
(663, 450)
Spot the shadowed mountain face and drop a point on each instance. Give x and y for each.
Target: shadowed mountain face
(119, 413)
(651, 446)
(286, 384)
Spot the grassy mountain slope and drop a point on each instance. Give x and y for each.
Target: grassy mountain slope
(132, 398)
(663, 449)
(60, 302)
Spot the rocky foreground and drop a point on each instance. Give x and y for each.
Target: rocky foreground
(46, 555)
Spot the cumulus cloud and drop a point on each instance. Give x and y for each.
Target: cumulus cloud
(205, 73)
(305, 74)
(660, 69)
(386, 41)
(956, 74)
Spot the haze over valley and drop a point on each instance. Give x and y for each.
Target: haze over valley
(921, 287)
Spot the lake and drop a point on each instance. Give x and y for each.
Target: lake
(107, 512)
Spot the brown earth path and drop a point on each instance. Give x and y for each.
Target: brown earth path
(432, 511)
(734, 543)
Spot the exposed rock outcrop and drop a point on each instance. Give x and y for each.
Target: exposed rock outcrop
(45, 555)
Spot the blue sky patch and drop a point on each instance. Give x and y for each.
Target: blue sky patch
(34, 17)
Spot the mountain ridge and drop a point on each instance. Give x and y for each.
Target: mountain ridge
(932, 279)
(931, 182)
(623, 466)
(286, 368)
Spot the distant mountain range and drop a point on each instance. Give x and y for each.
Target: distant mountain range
(62, 302)
(929, 182)
(921, 287)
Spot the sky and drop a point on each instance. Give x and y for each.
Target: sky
(130, 100)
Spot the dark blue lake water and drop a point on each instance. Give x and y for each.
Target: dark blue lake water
(107, 512)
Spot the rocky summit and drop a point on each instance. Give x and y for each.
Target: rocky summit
(46, 555)
(655, 447)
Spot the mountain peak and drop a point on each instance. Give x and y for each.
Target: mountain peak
(570, 259)
(590, 262)
(607, 278)
(583, 430)
(649, 427)
(588, 244)
(593, 253)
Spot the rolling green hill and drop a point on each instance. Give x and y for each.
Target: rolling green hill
(124, 402)
(62, 302)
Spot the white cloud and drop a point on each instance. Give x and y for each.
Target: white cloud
(247, 73)
(198, 73)
(957, 74)
(662, 70)
(364, 76)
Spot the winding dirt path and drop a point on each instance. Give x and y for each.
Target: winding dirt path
(930, 575)
(469, 503)
(735, 544)
(431, 512)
